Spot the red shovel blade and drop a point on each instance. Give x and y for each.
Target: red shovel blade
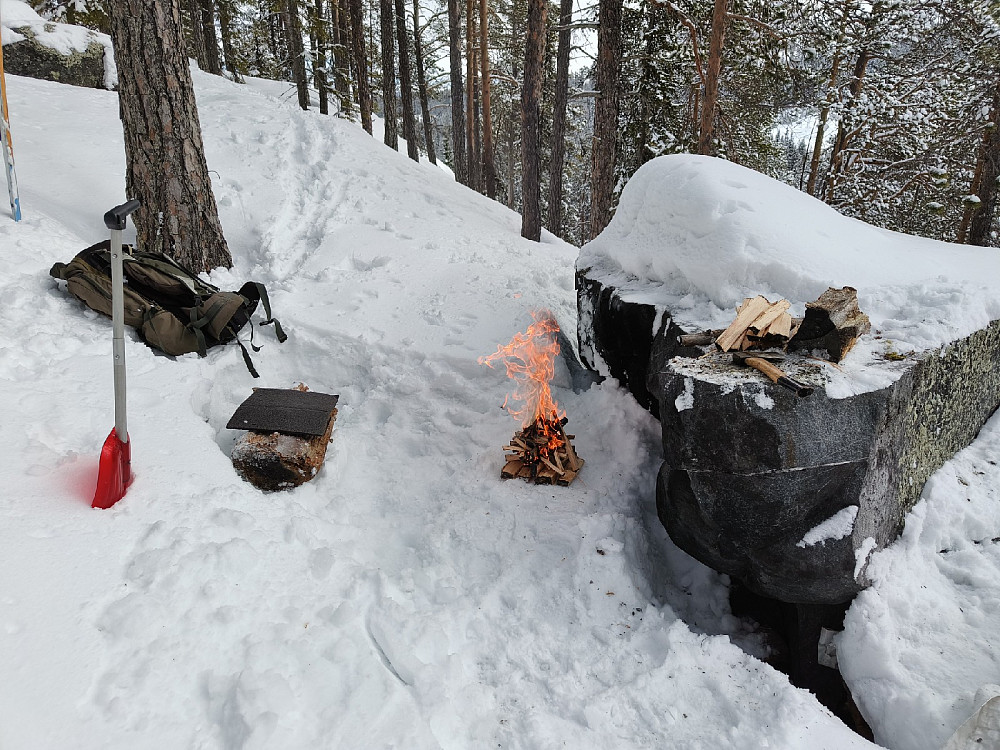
(114, 474)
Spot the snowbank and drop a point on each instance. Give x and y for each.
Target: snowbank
(406, 597)
(920, 643)
(702, 233)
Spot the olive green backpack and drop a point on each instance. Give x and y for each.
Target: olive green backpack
(171, 308)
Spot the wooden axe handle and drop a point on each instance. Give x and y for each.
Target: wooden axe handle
(776, 375)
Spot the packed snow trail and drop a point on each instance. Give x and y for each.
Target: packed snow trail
(406, 597)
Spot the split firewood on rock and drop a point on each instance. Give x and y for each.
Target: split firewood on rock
(833, 323)
(759, 324)
(288, 433)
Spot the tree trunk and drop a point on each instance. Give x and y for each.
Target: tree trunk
(824, 114)
(837, 166)
(706, 125)
(197, 37)
(214, 64)
(531, 117)
(475, 165)
(229, 54)
(425, 109)
(341, 57)
(293, 29)
(388, 74)
(361, 64)
(406, 83)
(489, 167)
(461, 165)
(603, 156)
(989, 177)
(164, 155)
(558, 157)
(511, 143)
(477, 123)
(319, 22)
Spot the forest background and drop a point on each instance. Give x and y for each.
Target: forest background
(885, 109)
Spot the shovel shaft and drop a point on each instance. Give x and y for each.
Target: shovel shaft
(118, 332)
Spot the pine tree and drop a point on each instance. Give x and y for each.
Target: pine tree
(165, 159)
(531, 95)
(609, 54)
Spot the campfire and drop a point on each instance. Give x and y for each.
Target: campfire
(541, 451)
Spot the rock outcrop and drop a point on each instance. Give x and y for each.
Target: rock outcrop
(750, 469)
(31, 56)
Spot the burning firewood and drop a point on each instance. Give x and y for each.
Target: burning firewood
(541, 452)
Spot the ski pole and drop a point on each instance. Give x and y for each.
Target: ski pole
(7, 143)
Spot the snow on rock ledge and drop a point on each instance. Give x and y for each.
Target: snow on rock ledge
(750, 469)
(60, 52)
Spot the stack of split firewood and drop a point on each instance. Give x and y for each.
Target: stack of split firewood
(832, 324)
(759, 324)
(542, 453)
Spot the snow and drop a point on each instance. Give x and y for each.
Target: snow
(921, 641)
(837, 526)
(686, 399)
(697, 235)
(406, 596)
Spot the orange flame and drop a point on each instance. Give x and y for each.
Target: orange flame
(530, 362)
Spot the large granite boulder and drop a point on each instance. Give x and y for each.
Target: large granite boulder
(58, 52)
(788, 494)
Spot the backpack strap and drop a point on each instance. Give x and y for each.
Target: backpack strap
(255, 291)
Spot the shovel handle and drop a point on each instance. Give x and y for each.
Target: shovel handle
(776, 375)
(117, 217)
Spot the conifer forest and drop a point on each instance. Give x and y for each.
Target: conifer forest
(885, 109)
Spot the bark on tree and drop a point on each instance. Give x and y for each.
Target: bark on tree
(425, 109)
(471, 138)
(361, 64)
(228, 52)
(989, 177)
(604, 153)
(197, 33)
(531, 98)
(706, 124)
(212, 61)
(554, 222)
(837, 166)
(164, 155)
(406, 83)
(388, 74)
(511, 144)
(489, 166)
(319, 68)
(477, 123)
(461, 165)
(296, 49)
(824, 114)
(341, 56)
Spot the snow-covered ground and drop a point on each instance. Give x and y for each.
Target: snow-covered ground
(406, 597)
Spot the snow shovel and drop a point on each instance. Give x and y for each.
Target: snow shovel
(115, 472)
